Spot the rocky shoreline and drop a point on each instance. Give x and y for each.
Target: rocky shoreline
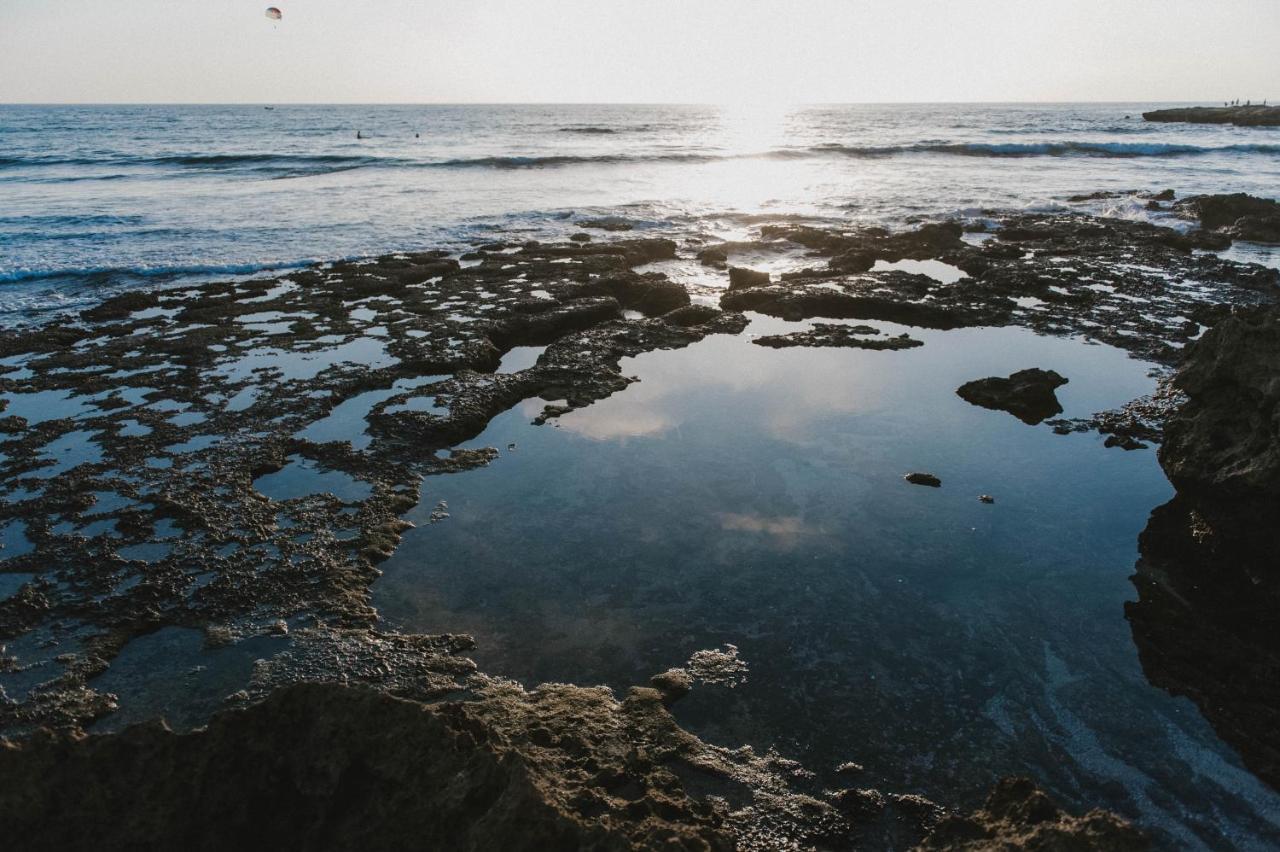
(169, 418)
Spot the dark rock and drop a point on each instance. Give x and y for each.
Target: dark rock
(1125, 442)
(1018, 815)
(653, 294)
(986, 498)
(1226, 439)
(607, 223)
(691, 315)
(1238, 215)
(926, 479)
(1209, 579)
(1242, 116)
(325, 767)
(1205, 619)
(713, 256)
(580, 237)
(827, 334)
(742, 279)
(119, 307)
(1027, 394)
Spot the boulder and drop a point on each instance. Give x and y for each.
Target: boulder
(1027, 394)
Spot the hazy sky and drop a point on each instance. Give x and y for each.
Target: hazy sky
(651, 50)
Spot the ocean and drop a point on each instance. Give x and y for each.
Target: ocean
(94, 199)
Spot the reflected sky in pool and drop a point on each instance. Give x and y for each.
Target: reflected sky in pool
(744, 495)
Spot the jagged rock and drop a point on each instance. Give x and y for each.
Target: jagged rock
(1242, 216)
(1226, 438)
(326, 767)
(1027, 394)
(1208, 579)
(1019, 816)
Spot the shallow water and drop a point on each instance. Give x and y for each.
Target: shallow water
(746, 496)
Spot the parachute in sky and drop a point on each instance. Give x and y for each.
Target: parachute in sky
(274, 14)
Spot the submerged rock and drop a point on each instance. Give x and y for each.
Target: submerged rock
(1027, 394)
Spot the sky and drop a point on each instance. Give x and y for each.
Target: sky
(654, 51)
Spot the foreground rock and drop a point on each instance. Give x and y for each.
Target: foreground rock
(560, 767)
(1209, 580)
(1027, 394)
(1225, 441)
(1242, 116)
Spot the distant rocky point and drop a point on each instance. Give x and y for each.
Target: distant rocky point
(1253, 115)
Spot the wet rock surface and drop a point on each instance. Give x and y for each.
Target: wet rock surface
(1027, 394)
(1240, 216)
(236, 459)
(1208, 579)
(1226, 438)
(1142, 288)
(231, 455)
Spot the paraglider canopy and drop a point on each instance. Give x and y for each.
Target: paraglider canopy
(274, 14)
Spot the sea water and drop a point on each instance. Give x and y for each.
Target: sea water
(98, 198)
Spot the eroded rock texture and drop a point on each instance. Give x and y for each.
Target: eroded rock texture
(1207, 621)
(559, 767)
